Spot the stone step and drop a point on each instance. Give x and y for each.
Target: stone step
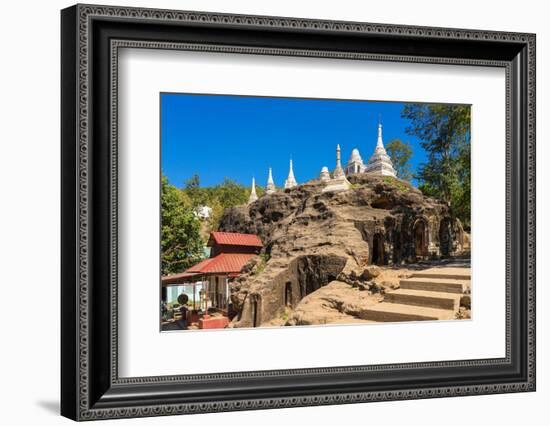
(434, 284)
(395, 312)
(428, 299)
(458, 275)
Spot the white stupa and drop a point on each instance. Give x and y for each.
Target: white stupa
(253, 196)
(380, 162)
(290, 181)
(338, 181)
(270, 187)
(324, 175)
(355, 163)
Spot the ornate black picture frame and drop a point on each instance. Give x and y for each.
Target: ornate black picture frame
(91, 37)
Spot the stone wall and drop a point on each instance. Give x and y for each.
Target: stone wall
(286, 287)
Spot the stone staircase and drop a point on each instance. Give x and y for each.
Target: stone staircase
(433, 294)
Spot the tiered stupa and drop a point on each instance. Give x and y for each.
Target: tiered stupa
(380, 162)
(270, 187)
(290, 181)
(325, 175)
(338, 181)
(253, 196)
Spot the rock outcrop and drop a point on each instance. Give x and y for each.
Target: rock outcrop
(312, 238)
(335, 303)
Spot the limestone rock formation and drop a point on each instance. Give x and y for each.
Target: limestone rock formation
(311, 237)
(335, 303)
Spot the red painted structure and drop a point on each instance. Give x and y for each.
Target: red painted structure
(230, 252)
(208, 322)
(232, 242)
(224, 263)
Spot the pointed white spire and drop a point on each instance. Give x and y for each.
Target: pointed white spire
(338, 181)
(380, 162)
(290, 181)
(253, 196)
(270, 187)
(338, 171)
(379, 143)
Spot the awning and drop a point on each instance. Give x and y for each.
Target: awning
(180, 279)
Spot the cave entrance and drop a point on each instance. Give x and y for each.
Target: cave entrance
(256, 305)
(378, 249)
(397, 247)
(445, 239)
(420, 238)
(316, 271)
(288, 294)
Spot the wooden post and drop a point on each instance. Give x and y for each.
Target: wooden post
(206, 299)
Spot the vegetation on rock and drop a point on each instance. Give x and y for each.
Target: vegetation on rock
(219, 197)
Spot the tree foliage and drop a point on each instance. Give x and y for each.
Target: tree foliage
(444, 132)
(226, 194)
(181, 243)
(400, 154)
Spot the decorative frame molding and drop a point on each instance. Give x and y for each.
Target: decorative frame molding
(91, 37)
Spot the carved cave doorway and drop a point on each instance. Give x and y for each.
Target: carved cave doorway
(288, 294)
(420, 238)
(256, 304)
(378, 249)
(445, 239)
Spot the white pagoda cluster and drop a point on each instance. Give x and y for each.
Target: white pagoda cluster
(379, 163)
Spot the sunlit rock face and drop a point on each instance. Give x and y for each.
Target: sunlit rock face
(310, 237)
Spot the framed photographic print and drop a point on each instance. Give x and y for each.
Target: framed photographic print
(263, 212)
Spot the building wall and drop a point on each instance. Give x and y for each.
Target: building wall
(217, 249)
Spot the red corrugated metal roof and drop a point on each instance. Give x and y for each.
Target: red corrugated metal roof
(199, 266)
(235, 239)
(224, 263)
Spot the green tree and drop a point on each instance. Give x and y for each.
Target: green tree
(400, 154)
(444, 132)
(193, 190)
(226, 194)
(193, 182)
(230, 193)
(181, 244)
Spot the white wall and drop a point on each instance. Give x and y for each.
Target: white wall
(29, 212)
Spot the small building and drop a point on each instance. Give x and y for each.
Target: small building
(207, 283)
(233, 242)
(355, 163)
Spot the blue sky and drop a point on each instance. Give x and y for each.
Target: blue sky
(239, 137)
